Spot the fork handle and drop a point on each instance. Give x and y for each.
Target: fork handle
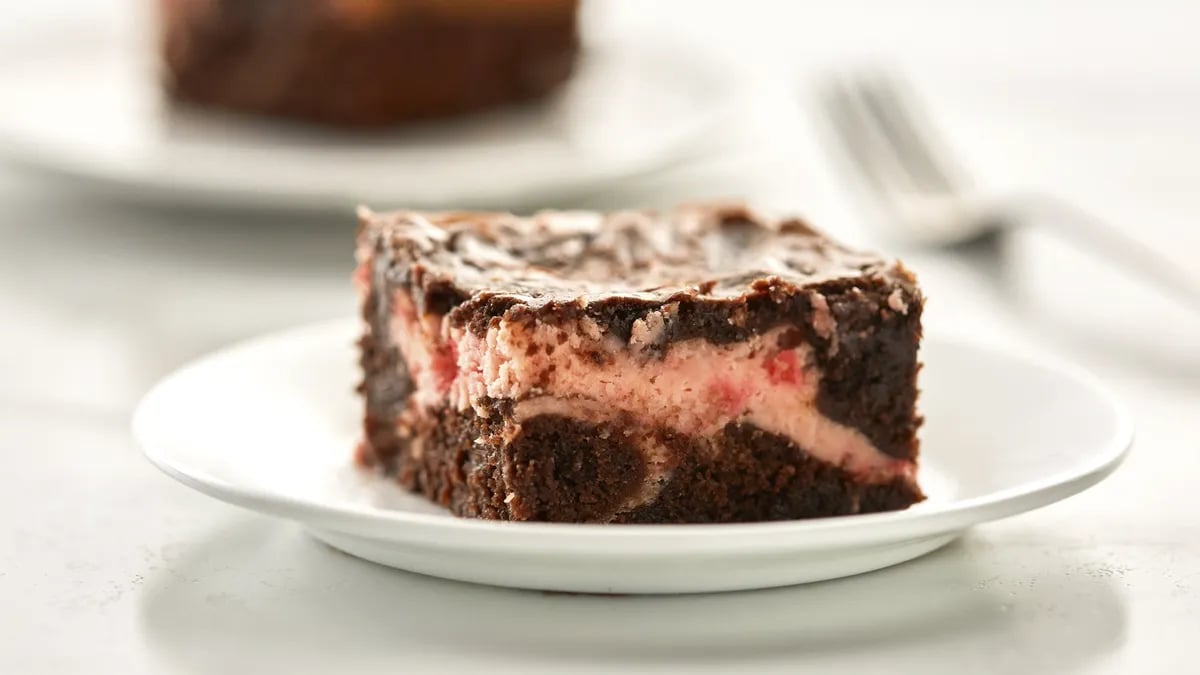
(1109, 242)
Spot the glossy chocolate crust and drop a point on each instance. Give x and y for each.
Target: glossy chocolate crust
(365, 63)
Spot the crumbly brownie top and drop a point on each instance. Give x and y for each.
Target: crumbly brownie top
(708, 252)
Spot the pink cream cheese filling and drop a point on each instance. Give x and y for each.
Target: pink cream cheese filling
(695, 387)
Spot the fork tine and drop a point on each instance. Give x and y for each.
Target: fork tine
(894, 107)
(922, 195)
(868, 153)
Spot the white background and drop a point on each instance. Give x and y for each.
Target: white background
(106, 566)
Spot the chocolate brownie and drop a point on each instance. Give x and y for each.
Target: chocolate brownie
(706, 364)
(365, 63)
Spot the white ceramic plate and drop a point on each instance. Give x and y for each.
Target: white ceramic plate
(270, 425)
(94, 112)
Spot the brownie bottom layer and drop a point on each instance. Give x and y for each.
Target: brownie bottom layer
(564, 470)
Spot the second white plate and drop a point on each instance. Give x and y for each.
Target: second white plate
(270, 425)
(93, 112)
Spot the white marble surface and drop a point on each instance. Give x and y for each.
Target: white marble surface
(107, 566)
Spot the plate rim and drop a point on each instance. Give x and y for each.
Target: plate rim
(414, 528)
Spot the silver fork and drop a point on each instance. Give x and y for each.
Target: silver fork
(919, 187)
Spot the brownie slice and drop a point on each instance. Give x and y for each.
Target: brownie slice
(365, 63)
(706, 364)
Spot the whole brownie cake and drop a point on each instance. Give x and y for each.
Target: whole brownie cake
(702, 365)
(365, 63)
